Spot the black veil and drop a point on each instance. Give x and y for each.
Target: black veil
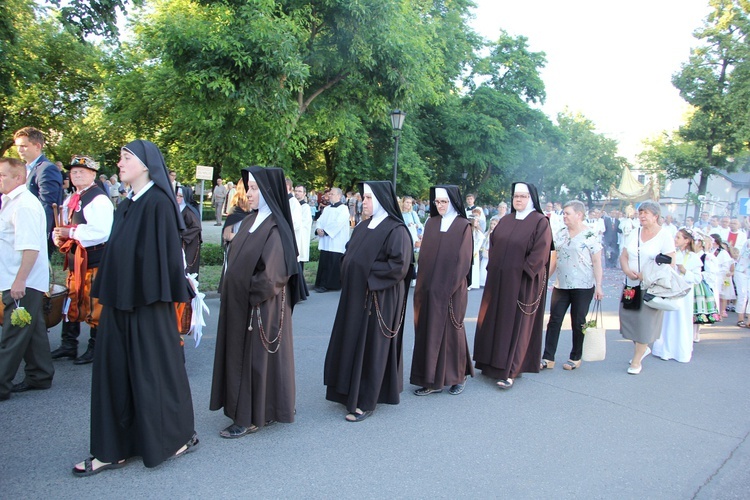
(532, 193)
(272, 185)
(149, 154)
(454, 195)
(187, 195)
(386, 195)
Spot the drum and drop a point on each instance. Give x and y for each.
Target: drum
(54, 301)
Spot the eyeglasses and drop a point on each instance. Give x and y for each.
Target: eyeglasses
(442, 202)
(520, 196)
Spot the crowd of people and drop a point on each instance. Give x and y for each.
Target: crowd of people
(373, 248)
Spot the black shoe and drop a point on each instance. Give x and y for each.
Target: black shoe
(4, 397)
(424, 391)
(23, 387)
(457, 389)
(321, 289)
(235, 431)
(85, 358)
(65, 352)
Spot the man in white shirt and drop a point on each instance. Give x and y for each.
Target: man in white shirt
(217, 199)
(595, 223)
(303, 243)
(555, 221)
(24, 279)
(296, 211)
(114, 190)
(470, 206)
(89, 216)
(669, 225)
(713, 225)
(723, 229)
(333, 235)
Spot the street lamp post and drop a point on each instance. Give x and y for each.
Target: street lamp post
(687, 200)
(397, 122)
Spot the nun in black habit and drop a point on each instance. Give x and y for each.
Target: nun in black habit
(364, 362)
(191, 236)
(140, 395)
(253, 376)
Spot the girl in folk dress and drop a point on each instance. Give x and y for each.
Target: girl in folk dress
(676, 340)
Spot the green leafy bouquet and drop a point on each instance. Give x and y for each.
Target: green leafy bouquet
(589, 324)
(20, 317)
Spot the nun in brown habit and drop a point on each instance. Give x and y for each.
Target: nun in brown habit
(253, 377)
(508, 340)
(441, 351)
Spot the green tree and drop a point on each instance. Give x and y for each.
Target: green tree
(709, 139)
(490, 136)
(93, 17)
(587, 163)
(47, 76)
(264, 82)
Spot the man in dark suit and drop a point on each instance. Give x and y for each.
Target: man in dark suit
(43, 178)
(609, 240)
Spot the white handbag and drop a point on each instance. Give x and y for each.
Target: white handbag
(594, 337)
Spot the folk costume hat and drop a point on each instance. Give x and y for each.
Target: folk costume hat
(80, 161)
(272, 186)
(150, 156)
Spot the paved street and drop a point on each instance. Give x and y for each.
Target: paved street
(675, 431)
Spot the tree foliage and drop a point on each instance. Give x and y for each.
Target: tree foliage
(47, 75)
(93, 17)
(588, 165)
(303, 84)
(714, 82)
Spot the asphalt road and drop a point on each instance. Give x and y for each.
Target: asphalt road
(675, 431)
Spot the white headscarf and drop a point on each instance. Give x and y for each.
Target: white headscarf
(378, 212)
(451, 214)
(263, 209)
(523, 188)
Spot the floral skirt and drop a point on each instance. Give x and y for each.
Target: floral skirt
(705, 311)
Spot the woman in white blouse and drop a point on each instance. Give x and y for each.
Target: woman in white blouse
(643, 325)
